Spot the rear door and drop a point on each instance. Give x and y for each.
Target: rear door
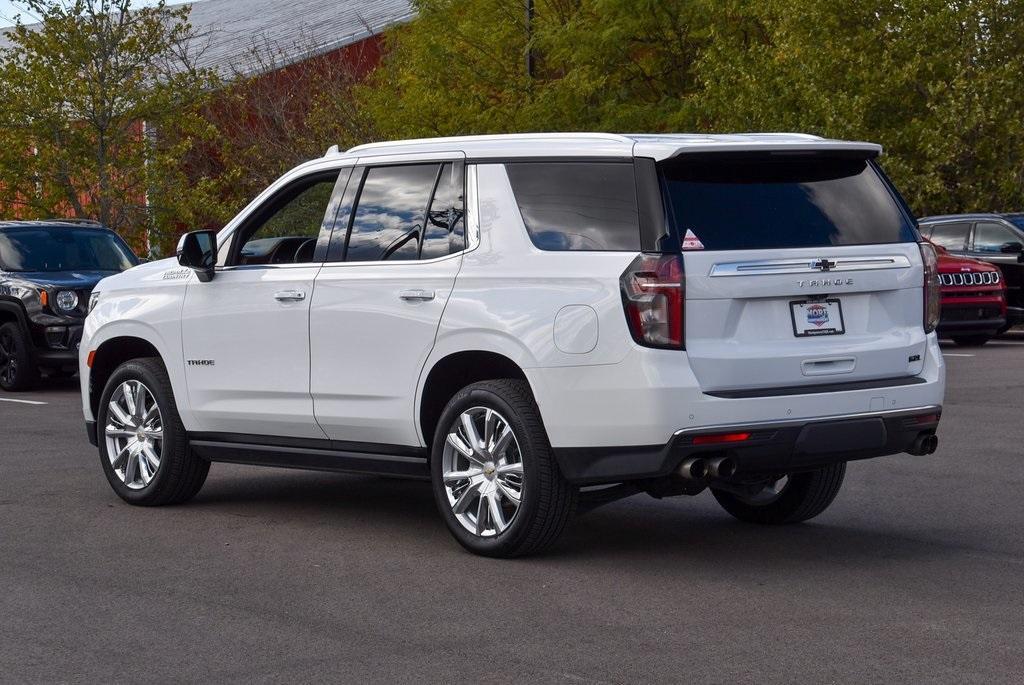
(379, 298)
(800, 270)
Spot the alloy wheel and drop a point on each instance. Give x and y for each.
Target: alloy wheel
(8, 358)
(482, 469)
(134, 434)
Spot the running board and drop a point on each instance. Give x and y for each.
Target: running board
(311, 458)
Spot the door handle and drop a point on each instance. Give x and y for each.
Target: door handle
(417, 295)
(290, 296)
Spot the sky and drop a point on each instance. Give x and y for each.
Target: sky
(8, 9)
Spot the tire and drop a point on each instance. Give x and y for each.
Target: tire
(18, 371)
(525, 468)
(804, 496)
(179, 474)
(971, 340)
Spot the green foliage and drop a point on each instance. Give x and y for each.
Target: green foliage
(98, 106)
(936, 82)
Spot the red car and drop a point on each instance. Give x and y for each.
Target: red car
(973, 299)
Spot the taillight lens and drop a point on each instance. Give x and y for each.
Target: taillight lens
(932, 292)
(653, 295)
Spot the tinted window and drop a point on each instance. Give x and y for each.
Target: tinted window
(285, 231)
(445, 232)
(63, 249)
(990, 237)
(388, 221)
(950, 236)
(734, 203)
(577, 205)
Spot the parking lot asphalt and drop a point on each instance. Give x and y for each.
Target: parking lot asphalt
(915, 574)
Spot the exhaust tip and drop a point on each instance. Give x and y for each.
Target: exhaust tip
(693, 469)
(722, 467)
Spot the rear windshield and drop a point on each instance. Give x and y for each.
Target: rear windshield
(63, 249)
(770, 202)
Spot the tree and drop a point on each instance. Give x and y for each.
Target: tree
(98, 105)
(935, 82)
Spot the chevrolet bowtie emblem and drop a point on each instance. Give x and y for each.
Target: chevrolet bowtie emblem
(823, 265)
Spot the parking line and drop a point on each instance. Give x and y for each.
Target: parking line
(4, 399)
(954, 354)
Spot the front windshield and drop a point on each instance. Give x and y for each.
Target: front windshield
(63, 249)
(1017, 220)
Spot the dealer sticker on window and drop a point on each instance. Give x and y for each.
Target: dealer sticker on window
(817, 318)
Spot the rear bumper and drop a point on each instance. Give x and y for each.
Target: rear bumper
(977, 327)
(772, 447)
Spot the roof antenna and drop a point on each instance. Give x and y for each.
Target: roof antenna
(332, 150)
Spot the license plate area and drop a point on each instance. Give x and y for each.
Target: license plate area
(817, 317)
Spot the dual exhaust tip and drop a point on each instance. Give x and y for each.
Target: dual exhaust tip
(697, 469)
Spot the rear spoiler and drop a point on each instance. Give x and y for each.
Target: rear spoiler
(831, 148)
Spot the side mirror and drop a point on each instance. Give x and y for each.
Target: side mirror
(1012, 248)
(198, 251)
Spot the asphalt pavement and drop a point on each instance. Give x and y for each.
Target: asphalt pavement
(915, 574)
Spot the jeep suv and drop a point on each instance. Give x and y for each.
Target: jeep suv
(47, 272)
(535, 323)
(973, 299)
(994, 238)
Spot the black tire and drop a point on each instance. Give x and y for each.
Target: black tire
(18, 371)
(548, 500)
(804, 496)
(181, 473)
(971, 340)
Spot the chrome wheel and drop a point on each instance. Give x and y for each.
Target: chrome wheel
(8, 358)
(482, 469)
(134, 434)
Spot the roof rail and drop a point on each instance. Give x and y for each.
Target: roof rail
(493, 137)
(74, 220)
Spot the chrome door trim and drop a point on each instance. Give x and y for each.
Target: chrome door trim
(767, 267)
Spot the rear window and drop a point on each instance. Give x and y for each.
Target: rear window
(770, 202)
(577, 205)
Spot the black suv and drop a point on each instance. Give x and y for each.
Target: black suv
(994, 238)
(47, 272)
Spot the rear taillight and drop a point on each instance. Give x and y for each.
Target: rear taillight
(932, 292)
(653, 295)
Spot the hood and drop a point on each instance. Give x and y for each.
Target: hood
(949, 263)
(67, 280)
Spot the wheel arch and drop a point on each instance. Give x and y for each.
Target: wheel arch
(451, 373)
(110, 354)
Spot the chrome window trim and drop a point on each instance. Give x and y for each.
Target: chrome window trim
(763, 267)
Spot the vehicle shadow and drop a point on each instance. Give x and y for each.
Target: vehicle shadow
(657, 533)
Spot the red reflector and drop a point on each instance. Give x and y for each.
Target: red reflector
(927, 418)
(88, 360)
(719, 438)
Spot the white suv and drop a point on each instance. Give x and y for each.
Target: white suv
(536, 323)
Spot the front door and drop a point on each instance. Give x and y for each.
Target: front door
(245, 333)
(379, 299)
(990, 240)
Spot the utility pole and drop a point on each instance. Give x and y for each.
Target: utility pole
(529, 38)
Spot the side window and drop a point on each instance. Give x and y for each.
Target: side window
(953, 237)
(577, 205)
(445, 233)
(389, 215)
(286, 229)
(990, 237)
